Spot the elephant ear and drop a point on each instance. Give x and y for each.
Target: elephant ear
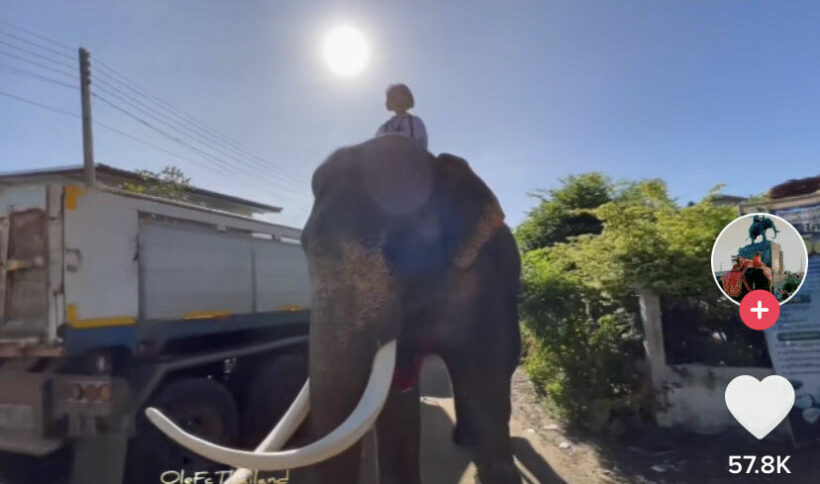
(469, 211)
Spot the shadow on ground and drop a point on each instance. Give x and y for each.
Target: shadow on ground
(534, 468)
(445, 463)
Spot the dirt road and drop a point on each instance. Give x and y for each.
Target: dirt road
(543, 453)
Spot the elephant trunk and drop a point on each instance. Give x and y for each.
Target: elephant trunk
(353, 314)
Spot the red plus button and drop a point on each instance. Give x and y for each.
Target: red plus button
(759, 310)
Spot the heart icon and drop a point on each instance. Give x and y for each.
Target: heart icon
(759, 406)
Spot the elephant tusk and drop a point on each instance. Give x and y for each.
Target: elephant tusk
(278, 437)
(337, 441)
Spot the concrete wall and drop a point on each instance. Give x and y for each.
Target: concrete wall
(692, 397)
(689, 396)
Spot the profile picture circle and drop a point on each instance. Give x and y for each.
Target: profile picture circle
(759, 251)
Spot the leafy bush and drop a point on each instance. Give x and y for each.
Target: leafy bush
(170, 183)
(581, 278)
(562, 213)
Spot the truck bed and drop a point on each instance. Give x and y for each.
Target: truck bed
(102, 266)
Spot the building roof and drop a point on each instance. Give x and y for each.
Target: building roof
(115, 177)
(724, 199)
(792, 188)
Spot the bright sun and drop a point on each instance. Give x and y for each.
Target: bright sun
(346, 51)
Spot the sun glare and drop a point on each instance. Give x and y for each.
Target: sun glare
(346, 51)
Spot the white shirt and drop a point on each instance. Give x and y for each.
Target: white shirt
(407, 125)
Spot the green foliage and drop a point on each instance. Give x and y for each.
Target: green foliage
(759, 198)
(170, 183)
(579, 305)
(564, 213)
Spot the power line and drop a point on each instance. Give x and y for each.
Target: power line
(35, 103)
(35, 44)
(224, 141)
(35, 54)
(215, 161)
(115, 76)
(103, 125)
(176, 139)
(183, 119)
(34, 34)
(36, 76)
(98, 123)
(209, 134)
(148, 143)
(38, 64)
(221, 148)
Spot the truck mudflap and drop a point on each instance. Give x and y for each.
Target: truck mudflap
(39, 411)
(23, 413)
(10, 441)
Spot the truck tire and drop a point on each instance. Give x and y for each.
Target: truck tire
(201, 406)
(269, 393)
(24, 469)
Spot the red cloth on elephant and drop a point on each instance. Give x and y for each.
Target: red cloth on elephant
(733, 282)
(408, 370)
(407, 376)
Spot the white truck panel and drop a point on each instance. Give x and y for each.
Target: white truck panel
(191, 271)
(281, 276)
(187, 269)
(118, 258)
(101, 277)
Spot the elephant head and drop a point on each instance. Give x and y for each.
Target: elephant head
(389, 222)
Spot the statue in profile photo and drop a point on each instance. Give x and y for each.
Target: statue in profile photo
(761, 223)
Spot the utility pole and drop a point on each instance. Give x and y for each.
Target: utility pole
(85, 94)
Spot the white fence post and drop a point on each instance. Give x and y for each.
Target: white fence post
(653, 346)
(653, 337)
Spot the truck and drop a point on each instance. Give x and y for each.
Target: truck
(113, 300)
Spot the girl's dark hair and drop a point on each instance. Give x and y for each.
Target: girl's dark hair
(398, 97)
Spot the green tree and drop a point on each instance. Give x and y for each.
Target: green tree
(170, 183)
(579, 305)
(565, 212)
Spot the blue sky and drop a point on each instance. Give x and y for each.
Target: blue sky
(697, 93)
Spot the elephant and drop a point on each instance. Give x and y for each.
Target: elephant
(408, 255)
(750, 280)
(746, 276)
(753, 279)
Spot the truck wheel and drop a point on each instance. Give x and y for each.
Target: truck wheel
(201, 406)
(24, 469)
(272, 388)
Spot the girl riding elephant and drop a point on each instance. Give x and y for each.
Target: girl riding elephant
(400, 100)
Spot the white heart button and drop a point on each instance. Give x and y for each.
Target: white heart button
(759, 406)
